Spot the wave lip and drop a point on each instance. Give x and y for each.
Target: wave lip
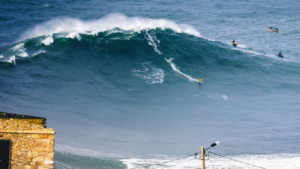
(48, 41)
(20, 50)
(12, 60)
(109, 22)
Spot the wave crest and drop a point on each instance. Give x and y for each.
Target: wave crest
(106, 23)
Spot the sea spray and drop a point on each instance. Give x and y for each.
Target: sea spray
(109, 22)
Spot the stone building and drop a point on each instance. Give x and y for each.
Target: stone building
(25, 142)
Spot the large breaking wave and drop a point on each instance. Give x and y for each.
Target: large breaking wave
(109, 22)
(119, 60)
(153, 47)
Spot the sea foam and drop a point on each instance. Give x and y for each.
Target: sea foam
(150, 73)
(19, 50)
(106, 23)
(153, 41)
(74, 35)
(48, 40)
(178, 71)
(274, 161)
(12, 59)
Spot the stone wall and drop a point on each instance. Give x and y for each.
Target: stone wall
(21, 124)
(32, 145)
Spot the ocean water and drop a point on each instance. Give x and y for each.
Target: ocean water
(118, 80)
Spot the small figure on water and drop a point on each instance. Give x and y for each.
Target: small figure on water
(280, 55)
(234, 43)
(271, 29)
(200, 81)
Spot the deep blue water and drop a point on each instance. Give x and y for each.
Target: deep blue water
(117, 80)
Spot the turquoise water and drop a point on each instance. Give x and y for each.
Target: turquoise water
(118, 80)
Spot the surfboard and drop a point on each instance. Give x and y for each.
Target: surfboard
(270, 30)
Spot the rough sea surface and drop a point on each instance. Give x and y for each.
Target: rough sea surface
(118, 80)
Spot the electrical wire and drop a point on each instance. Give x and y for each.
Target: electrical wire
(168, 161)
(216, 158)
(236, 160)
(178, 164)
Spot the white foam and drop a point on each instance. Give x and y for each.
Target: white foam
(18, 47)
(83, 152)
(152, 41)
(48, 40)
(12, 59)
(74, 35)
(225, 97)
(1, 56)
(270, 161)
(150, 73)
(242, 46)
(106, 23)
(217, 96)
(39, 52)
(19, 50)
(116, 31)
(244, 49)
(23, 54)
(254, 53)
(46, 5)
(249, 51)
(178, 71)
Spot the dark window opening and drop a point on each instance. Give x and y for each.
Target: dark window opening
(5, 154)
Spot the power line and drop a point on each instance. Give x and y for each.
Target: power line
(195, 155)
(169, 160)
(216, 158)
(179, 163)
(236, 160)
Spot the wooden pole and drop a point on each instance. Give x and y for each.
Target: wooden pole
(203, 157)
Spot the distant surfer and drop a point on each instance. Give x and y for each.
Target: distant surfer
(271, 29)
(280, 55)
(234, 43)
(200, 81)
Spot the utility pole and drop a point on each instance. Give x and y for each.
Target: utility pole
(203, 152)
(203, 157)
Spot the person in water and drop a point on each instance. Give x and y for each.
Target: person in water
(271, 29)
(234, 43)
(280, 55)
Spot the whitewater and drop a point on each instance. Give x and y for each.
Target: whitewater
(118, 81)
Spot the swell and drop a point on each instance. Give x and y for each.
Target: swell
(83, 77)
(148, 55)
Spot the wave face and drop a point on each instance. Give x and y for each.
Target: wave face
(126, 89)
(130, 80)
